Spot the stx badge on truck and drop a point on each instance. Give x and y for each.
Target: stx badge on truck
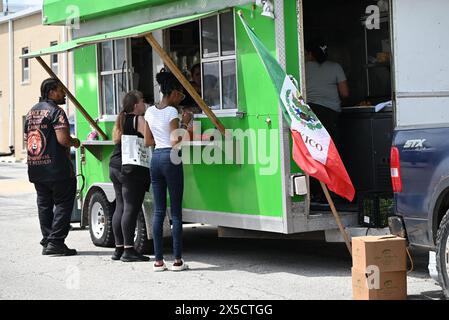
(414, 144)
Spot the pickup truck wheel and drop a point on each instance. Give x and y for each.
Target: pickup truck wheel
(100, 220)
(442, 254)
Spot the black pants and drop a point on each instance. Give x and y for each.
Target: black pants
(330, 119)
(129, 196)
(55, 205)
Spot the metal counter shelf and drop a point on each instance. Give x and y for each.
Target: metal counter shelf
(96, 147)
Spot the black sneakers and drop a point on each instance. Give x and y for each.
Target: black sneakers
(44, 244)
(58, 249)
(117, 253)
(131, 255)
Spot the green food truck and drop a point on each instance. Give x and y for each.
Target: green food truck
(254, 188)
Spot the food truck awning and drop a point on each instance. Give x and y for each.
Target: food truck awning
(62, 47)
(143, 29)
(136, 31)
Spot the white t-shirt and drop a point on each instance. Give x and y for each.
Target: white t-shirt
(159, 122)
(322, 81)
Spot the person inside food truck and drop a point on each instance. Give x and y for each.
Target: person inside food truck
(189, 103)
(211, 92)
(195, 73)
(326, 86)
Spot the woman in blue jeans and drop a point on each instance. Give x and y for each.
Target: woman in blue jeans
(167, 174)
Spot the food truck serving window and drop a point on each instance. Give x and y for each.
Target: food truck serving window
(114, 74)
(213, 49)
(219, 84)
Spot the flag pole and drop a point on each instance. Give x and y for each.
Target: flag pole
(337, 217)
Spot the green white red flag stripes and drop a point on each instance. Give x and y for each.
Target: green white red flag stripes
(313, 148)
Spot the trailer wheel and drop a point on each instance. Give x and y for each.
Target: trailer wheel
(442, 254)
(141, 242)
(100, 220)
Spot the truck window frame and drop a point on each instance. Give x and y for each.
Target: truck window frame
(220, 58)
(115, 72)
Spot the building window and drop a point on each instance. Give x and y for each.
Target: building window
(114, 74)
(25, 66)
(219, 81)
(54, 58)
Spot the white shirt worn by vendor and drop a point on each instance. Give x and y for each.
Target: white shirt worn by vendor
(159, 122)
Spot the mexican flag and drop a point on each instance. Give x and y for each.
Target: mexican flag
(313, 149)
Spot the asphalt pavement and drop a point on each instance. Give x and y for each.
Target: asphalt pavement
(220, 268)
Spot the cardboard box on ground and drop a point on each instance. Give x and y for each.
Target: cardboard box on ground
(379, 270)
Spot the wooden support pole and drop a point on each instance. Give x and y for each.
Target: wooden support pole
(73, 99)
(184, 82)
(337, 217)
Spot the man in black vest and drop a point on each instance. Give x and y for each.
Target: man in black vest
(47, 135)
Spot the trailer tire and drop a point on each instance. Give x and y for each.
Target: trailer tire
(442, 254)
(100, 212)
(141, 242)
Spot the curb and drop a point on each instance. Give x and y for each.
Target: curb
(12, 160)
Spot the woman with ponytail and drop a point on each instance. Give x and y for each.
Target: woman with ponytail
(165, 174)
(326, 88)
(130, 181)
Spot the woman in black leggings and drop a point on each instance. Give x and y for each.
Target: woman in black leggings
(130, 181)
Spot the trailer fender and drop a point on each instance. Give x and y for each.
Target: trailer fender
(108, 189)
